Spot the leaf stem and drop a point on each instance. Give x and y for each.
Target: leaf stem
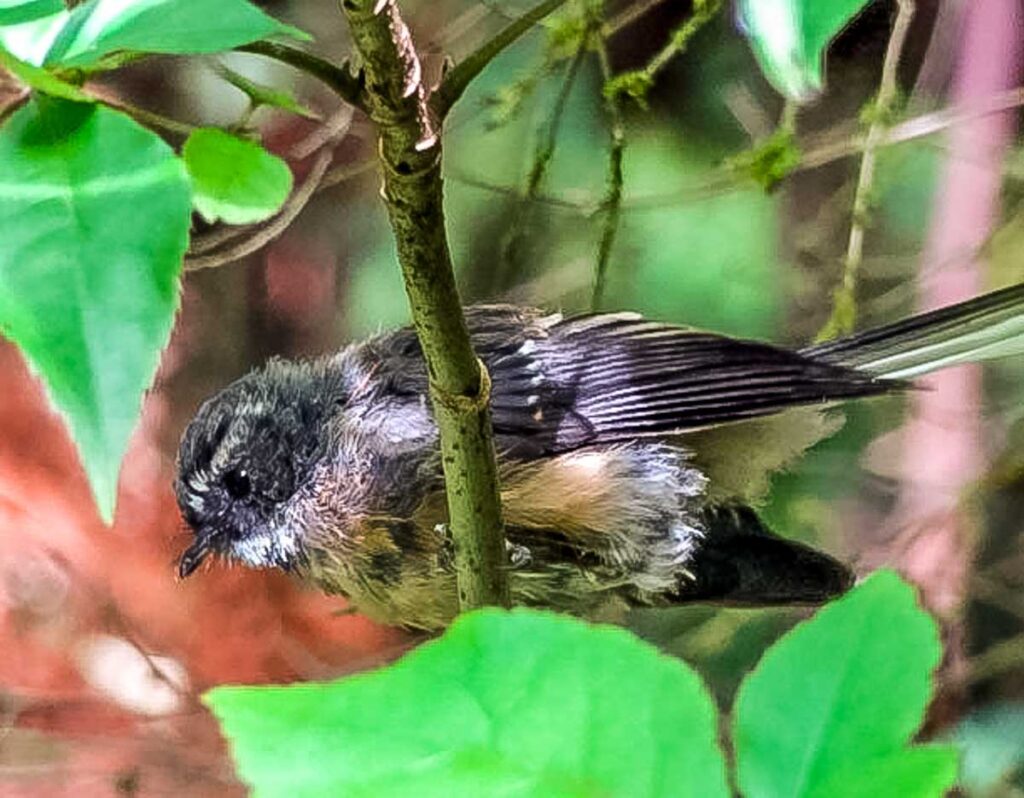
(410, 152)
(150, 118)
(338, 78)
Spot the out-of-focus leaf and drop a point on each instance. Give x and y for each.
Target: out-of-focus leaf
(41, 80)
(30, 41)
(991, 743)
(100, 27)
(790, 37)
(15, 12)
(234, 179)
(504, 704)
(846, 688)
(94, 215)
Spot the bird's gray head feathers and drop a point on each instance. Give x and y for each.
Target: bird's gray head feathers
(244, 457)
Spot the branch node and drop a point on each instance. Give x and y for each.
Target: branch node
(465, 404)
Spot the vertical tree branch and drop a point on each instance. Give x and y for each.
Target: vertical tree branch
(843, 315)
(410, 152)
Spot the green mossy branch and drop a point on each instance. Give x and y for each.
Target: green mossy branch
(637, 83)
(396, 98)
(612, 204)
(462, 74)
(878, 115)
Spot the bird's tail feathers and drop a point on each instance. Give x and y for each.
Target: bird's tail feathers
(984, 328)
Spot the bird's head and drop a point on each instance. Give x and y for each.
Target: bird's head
(246, 457)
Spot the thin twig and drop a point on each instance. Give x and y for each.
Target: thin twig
(844, 310)
(207, 257)
(410, 156)
(997, 659)
(915, 128)
(613, 193)
(815, 153)
(462, 74)
(267, 232)
(627, 17)
(332, 130)
(346, 85)
(636, 83)
(150, 118)
(703, 12)
(14, 103)
(346, 172)
(542, 155)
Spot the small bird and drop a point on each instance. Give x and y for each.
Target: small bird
(631, 454)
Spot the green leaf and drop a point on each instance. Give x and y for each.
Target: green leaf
(41, 80)
(504, 704)
(94, 215)
(845, 688)
(927, 771)
(31, 40)
(790, 37)
(234, 179)
(15, 12)
(265, 95)
(100, 27)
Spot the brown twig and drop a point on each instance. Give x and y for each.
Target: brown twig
(206, 252)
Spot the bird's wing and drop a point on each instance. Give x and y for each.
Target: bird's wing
(563, 383)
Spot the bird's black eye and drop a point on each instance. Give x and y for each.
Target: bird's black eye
(237, 483)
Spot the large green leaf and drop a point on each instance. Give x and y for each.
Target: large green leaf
(504, 704)
(234, 179)
(841, 691)
(94, 215)
(100, 27)
(790, 37)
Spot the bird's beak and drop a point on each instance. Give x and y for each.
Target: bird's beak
(193, 556)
